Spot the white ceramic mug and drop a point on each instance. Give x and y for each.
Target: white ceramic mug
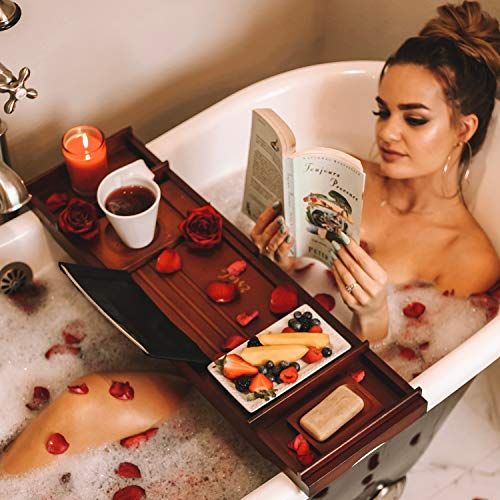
(136, 231)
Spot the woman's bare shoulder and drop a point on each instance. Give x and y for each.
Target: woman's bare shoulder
(472, 265)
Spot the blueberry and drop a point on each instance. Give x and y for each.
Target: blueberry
(295, 365)
(295, 324)
(326, 351)
(297, 314)
(305, 326)
(276, 371)
(308, 315)
(283, 364)
(253, 342)
(315, 322)
(243, 383)
(269, 365)
(263, 370)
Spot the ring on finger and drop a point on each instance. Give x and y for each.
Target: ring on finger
(350, 288)
(268, 249)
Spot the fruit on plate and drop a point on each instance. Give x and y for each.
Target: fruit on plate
(313, 355)
(275, 353)
(234, 366)
(260, 383)
(289, 375)
(318, 340)
(284, 298)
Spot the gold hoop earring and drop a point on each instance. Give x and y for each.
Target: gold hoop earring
(464, 176)
(444, 173)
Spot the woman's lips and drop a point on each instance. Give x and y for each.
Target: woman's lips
(390, 155)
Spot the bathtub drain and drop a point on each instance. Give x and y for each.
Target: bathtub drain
(14, 276)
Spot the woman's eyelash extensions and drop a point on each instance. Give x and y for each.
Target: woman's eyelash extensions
(411, 120)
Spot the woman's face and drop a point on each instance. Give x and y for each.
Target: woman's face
(414, 129)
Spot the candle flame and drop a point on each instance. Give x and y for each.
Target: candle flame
(85, 141)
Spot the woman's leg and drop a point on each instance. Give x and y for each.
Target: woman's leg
(92, 419)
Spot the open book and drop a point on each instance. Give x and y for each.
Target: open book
(321, 189)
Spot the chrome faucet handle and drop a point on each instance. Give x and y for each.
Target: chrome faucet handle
(15, 87)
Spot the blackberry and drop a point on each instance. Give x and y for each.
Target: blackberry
(326, 351)
(283, 364)
(295, 324)
(254, 342)
(297, 314)
(243, 383)
(263, 369)
(295, 365)
(305, 325)
(269, 365)
(315, 322)
(307, 315)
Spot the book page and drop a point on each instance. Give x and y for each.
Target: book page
(270, 140)
(328, 187)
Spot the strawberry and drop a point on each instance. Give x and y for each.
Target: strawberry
(289, 375)
(56, 444)
(222, 292)
(168, 262)
(78, 389)
(312, 355)
(41, 396)
(233, 341)
(358, 375)
(414, 310)
(234, 366)
(244, 318)
(315, 329)
(128, 470)
(121, 390)
(237, 267)
(137, 439)
(260, 383)
(325, 300)
(296, 442)
(284, 298)
(288, 329)
(131, 492)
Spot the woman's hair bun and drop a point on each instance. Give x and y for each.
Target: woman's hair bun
(474, 31)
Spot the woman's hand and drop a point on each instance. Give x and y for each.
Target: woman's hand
(363, 286)
(272, 238)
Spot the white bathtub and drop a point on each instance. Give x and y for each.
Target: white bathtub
(329, 105)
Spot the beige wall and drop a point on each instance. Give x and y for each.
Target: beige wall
(373, 29)
(151, 64)
(155, 63)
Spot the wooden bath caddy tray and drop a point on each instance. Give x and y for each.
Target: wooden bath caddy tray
(390, 403)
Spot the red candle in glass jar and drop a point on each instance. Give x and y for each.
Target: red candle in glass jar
(84, 151)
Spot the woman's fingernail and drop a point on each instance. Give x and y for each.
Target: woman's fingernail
(288, 238)
(276, 204)
(333, 254)
(335, 246)
(282, 229)
(280, 221)
(345, 239)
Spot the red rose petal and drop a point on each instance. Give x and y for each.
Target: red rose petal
(407, 353)
(128, 470)
(414, 310)
(56, 201)
(73, 332)
(121, 390)
(62, 349)
(358, 375)
(325, 300)
(233, 341)
(284, 298)
(41, 397)
(137, 439)
(244, 318)
(78, 389)
(296, 442)
(237, 267)
(132, 492)
(56, 444)
(168, 262)
(306, 460)
(303, 448)
(222, 292)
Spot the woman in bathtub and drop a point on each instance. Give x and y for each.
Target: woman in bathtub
(436, 97)
(435, 100)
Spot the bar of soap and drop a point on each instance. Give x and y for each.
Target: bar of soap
(332, 413)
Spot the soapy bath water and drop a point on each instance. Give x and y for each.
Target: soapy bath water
(196, 454)
(413, 344)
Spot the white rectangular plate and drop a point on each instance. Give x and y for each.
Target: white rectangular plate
(337, 343)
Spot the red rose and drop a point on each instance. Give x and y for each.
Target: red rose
(57, 201)
(79, 218)
(202, 228)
